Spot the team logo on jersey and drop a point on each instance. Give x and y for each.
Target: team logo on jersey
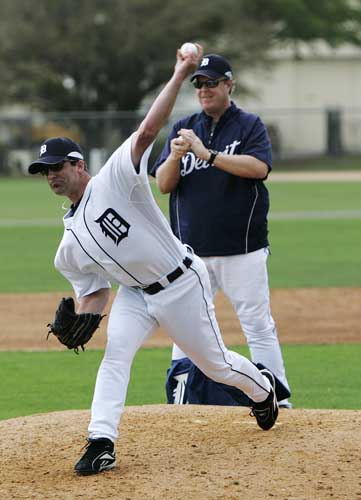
(190, 161)
(113, 225)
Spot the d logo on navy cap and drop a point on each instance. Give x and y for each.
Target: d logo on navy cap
(54, 151)
(213, 66)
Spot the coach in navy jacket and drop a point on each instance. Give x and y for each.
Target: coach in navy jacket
(215, 212)
(213, 165)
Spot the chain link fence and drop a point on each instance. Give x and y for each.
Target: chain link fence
(295, 133)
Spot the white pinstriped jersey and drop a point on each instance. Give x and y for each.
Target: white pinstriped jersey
(118, 233)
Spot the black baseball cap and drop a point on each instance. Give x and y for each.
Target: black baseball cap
(55, 150)
(214, 66)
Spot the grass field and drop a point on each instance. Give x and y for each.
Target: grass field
(298, 256)
(315, 242)
(38, 382)
(30, 201)
(30, 227)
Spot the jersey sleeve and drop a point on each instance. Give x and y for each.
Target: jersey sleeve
(84, 284)
(120, 171)
(258, 144)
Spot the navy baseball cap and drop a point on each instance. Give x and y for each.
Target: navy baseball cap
(213, 66)
(54, 151)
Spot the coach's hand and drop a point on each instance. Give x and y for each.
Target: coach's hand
(195, 143)
(187, 63)
(178, 147)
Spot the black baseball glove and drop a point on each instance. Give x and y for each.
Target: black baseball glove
(72, 329)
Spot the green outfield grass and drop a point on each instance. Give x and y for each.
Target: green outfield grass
(41, 382)
(314, 196)
(30, 199)
(25, 199)
(315, 253)
(306, 251)
(304, 254)
(26, 260)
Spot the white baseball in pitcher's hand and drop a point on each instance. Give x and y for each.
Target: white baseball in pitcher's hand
(188, 48)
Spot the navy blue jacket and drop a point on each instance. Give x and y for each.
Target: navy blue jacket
(215, 212)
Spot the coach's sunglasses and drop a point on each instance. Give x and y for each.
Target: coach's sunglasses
(209, 84)
(57, 166)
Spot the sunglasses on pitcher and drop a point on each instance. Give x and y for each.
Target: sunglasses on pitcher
(209, 84)
(57, 166)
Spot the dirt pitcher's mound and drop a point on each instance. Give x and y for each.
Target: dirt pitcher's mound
(185, 453)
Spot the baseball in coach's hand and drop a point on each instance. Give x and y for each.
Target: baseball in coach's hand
(188, 48)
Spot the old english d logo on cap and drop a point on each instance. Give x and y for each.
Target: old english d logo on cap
(55, 150)
(213, 66)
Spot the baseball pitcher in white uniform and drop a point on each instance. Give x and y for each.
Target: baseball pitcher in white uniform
(115, 232)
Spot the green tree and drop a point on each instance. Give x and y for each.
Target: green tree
(108, 54)
(335, 21)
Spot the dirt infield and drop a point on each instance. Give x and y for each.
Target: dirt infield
(191, 452)
(310, 315)
(188, 453)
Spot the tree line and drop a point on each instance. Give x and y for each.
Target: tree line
(74, 55)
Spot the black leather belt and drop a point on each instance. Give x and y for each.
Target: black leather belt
(157, 287)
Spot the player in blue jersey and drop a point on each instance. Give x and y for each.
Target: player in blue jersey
(214, 165)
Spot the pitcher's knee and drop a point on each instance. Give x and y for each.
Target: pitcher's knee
(260, 337)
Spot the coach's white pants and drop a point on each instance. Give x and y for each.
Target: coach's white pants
(185, 309)
(244, 280)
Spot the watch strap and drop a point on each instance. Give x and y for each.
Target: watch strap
(213, 156)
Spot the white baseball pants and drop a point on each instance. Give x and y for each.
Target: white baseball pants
(244, 281)
(185, 309)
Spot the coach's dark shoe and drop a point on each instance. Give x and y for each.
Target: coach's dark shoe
(285, 404)
(266, 412)
(99, 456)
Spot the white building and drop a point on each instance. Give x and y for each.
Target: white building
(301, 88)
